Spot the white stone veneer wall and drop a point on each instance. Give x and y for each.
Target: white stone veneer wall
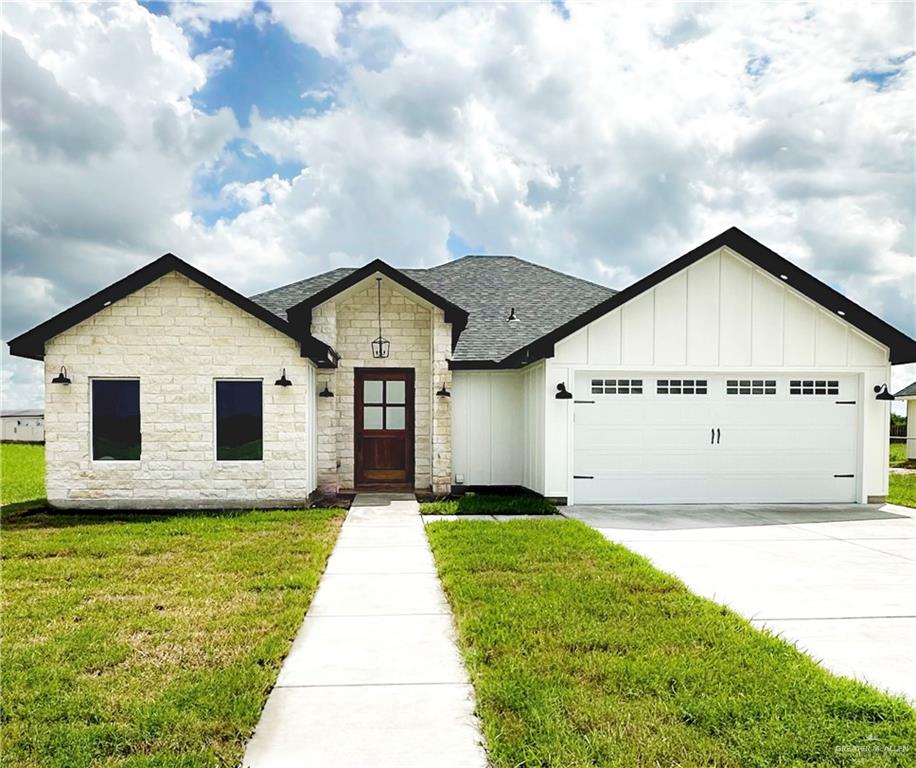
(420, 339)
(177, 338)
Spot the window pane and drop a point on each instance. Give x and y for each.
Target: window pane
(372, 417)
(394, 417)
(395, 392)
(239, 421)
(115, 420)
(372, 391)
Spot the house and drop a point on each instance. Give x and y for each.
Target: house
(909, 394)
(23, 426)
(728, 375)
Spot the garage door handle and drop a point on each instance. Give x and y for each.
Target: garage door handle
(712, 436)
(718, 436)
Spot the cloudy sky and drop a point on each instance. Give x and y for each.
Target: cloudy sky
(264, 142)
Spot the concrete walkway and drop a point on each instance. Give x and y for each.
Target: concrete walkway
(374, 677)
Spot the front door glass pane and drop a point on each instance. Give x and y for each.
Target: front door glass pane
(395, 392)
(372, 417)
(372, 391)
(395, 417)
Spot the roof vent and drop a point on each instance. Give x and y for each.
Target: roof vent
(513, 318)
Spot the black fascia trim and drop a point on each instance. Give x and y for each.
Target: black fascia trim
(31, 344)
(902, 347)
(323, 355)
(513, 362)
(301, 313)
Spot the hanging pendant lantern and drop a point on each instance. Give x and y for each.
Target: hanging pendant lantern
(381, 346)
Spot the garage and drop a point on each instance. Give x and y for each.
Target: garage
(698, 438)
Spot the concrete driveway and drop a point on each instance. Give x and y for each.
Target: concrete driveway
(838, 580)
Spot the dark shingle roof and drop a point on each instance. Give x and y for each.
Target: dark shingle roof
(908, 391)
(487, 287)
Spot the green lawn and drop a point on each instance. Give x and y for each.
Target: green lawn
(22, 473)
(898, 454)
(582, 654)
(149, 640)
(902, 490)
(490, 504)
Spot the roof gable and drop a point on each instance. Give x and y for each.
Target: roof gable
(31, 343)
(902, 348)
(908, 392)
(487, 288)
(454, 314)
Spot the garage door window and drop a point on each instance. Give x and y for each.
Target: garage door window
(681, 387)
(814, 387)
(616, 386)
(750, 387)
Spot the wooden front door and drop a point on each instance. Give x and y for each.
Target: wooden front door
(384, 426)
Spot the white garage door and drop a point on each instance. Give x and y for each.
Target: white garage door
(643, 439)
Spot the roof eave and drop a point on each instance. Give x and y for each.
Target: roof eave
(454, 314)
(31, 344)
(901, 348)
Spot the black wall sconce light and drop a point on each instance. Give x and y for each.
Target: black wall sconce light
(61, 377)
(326, 392)
(882, 393)
(562, 392)
(283, 381)
(443, 392)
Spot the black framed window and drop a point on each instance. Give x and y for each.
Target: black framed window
(616, 386)
(681, 387)
(239, 421)
(750, 387)
(384, 404)
(814, 387)
(115, 420)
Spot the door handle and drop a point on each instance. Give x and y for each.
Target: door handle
(712, 436)
(718, 435)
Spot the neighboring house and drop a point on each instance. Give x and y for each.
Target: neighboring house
(909, 394)
(23, 426)
(729, 375)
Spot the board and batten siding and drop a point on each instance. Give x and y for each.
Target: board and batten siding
(487, 422)
(177, 338)
(498, 422)
(722, 314)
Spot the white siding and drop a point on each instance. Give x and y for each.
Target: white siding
(729, 314)
(533, 417)
(23, 429)
(487, 425)
(721, 314)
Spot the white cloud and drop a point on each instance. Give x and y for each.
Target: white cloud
(256, 193)
(101, 144)
(200, 15)
(315, 24)
(603, 144)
